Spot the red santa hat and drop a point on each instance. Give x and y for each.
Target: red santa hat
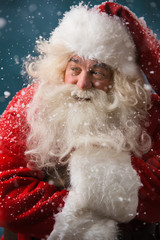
(93, 34)
(117, 38)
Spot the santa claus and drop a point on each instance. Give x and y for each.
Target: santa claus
(95, 113)
(87, 125)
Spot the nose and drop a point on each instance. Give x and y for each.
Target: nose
(84, 80)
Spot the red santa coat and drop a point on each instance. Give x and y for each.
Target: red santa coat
(27, 202)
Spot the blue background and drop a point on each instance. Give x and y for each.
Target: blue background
(23, 21)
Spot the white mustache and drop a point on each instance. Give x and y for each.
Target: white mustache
(83, 95)
(90, 95)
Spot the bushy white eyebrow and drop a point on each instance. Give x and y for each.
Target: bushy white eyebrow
(100, 65)
(74, 60)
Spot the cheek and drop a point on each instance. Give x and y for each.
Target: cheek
(102, 86)
(67, 78)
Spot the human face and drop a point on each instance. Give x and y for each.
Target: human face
(87, 74)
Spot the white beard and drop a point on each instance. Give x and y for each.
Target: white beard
(102, 131)
(63, 118)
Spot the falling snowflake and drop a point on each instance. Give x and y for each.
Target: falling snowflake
(3, 22)
(6, 94)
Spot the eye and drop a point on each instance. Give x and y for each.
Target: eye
(75, 70)
(98, 74)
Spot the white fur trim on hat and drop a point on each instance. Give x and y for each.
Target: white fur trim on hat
(95, 35)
